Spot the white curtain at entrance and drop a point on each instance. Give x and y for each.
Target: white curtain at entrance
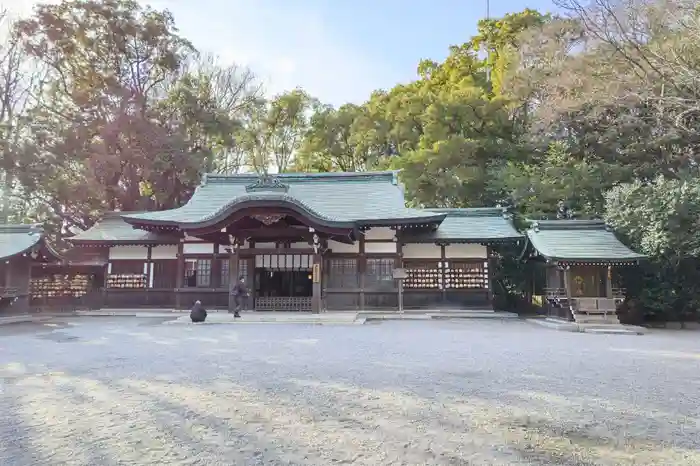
(284, 261)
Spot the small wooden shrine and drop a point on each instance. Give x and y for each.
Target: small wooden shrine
(577, 261)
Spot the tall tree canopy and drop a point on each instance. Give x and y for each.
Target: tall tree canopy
(126, 104)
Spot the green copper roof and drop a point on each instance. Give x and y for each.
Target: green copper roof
(470, 225)
(18, 239)
(345, 198)
(113, 229)
(578, 240)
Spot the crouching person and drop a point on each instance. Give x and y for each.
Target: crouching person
(198, 313)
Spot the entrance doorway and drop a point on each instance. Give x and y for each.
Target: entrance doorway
(283, 282)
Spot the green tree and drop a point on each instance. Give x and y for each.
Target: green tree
(275, 131)
(661, 219)
(536, 185)
(120, 108)
(334, 141)
(501, 39)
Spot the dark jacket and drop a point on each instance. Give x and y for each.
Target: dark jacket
(198, 313)
(240, 289)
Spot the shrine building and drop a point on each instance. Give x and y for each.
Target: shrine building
(309, 242)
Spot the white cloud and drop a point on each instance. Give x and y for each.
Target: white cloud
(286, 45)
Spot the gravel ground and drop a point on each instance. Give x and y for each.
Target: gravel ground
(124, 391)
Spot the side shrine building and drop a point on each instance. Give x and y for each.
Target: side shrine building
(302, 242)
(576, 264)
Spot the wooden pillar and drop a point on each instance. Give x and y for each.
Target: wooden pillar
(316, 273)
(233, 259)
(608, 282)
(361, 268)
(216, 268)
(489, 275)
(398, 264)
(8, 274)
(443, 270)
(180, 277)
(105, 282)
(148, 266)
(567, 288)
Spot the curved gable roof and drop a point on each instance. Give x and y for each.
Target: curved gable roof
(21, 238)
(579, 240)
(340, 198)
(112, 228)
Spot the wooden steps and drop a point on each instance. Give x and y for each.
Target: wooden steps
(595, 311)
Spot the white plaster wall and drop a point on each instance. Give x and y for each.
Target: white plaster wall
(192, 238)
(198, 248)
(265, 245)
(421, 251)
(380, 248)
(466, 251)
(378, 233)
(299, 245)
(128, 253)
(164, 252)
(343, 248)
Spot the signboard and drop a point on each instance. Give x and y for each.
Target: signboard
(316, 273)
(399, 274)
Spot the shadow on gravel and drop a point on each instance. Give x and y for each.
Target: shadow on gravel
(164, 420)
(23, 328)
(28, 432)
(279, 396)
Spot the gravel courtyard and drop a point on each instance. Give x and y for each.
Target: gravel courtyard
(127, 391)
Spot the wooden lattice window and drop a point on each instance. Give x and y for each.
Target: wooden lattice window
(225, 271)
(341, 273)
(379, 273)
(198, 273)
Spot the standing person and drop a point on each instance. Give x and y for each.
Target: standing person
(240, 293)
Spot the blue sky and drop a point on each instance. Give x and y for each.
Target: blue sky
(338, 50)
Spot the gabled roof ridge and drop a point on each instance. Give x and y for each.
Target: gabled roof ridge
(568, 225)
(115, 214)
(21, 228)
(245, 178)
(471, 211)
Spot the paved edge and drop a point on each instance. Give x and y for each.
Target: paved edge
(583, 328)
(23, 318)
(259, 322)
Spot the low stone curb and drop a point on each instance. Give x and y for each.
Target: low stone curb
(453, 315)
(20, 319)
(266, 322)
(587, 328)
(475, 315)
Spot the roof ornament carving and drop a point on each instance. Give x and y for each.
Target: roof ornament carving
(268, 220)
(267, 182)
